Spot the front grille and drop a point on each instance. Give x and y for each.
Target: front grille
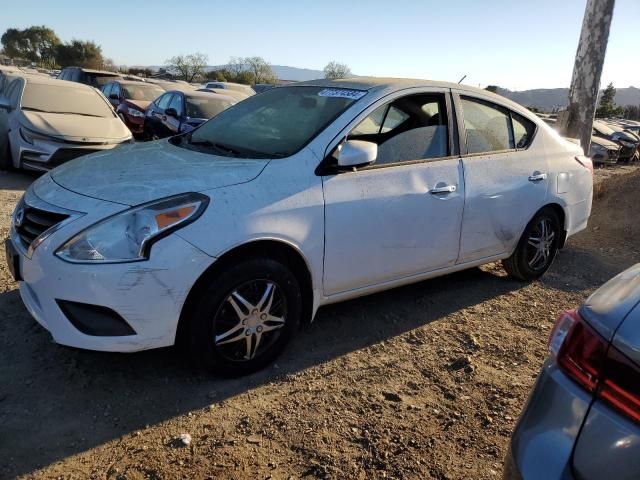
(33, 222)
(63, 155)
(613, 154)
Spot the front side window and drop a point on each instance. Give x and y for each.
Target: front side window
(163, 102)
(409, 128)
(65, 100)
(274, 124)
(488, 126)
(176, 103)
(106, 90)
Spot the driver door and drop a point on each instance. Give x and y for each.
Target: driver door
(401, 216)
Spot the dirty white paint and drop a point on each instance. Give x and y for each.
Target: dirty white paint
(358, 232)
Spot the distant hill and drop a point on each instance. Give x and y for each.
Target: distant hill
(282, 72)
(549, 99)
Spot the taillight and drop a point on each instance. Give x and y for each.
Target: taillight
(589, 360)
(621, 384)
(582, 351)
(586, 162)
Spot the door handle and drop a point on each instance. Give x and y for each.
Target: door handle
(445, 189)
(538, 177)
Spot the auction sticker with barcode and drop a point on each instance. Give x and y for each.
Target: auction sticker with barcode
(342, 93)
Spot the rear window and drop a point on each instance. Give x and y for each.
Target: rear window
(64, 100)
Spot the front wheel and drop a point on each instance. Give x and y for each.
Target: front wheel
(245, 317)
(537, 247)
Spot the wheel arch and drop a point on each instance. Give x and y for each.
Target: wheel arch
(262, 248)
(562, 216)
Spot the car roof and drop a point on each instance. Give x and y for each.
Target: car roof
(90, 70)
(380, 84)
(197, 94)
(46, 80)
(135, 82)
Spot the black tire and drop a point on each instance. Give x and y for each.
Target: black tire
(6, 161)
(215, 318)
(522, 264)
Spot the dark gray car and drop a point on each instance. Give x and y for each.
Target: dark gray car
(582, 419)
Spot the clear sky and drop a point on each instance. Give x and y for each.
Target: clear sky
(517, 44)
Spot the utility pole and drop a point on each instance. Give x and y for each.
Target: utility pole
(587, 69)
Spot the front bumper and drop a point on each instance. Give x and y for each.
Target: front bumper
(44, 155)
(148, 295)
(543, 440)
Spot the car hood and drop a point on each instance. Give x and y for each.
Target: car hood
(75, 127)
(608, 306)
(139, 104)
(135, 174)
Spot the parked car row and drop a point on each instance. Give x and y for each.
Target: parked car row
(611, 142)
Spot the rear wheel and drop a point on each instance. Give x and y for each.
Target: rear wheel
(537, 247)
(245, 317)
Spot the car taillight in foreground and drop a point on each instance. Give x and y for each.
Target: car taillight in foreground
(600, 368)
(586, 162)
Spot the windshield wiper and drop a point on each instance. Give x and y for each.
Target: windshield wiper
(219, 147)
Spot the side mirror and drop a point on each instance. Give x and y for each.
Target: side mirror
(171, 112)
(354, 153)
(114, 96)
(5, 104)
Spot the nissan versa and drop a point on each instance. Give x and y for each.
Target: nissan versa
(227, 237)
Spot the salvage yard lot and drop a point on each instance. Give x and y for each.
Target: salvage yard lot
(424, 381)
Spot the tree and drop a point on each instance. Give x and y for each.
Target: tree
(608, 107)
(37, 44)
(78, 53)
(492, 88)
(334, 70)
(632, 112)
(188, 67)
(261, 70)
(249, 70)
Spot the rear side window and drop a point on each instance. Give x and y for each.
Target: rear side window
(487, 125)
(523, 130)
(409, 128)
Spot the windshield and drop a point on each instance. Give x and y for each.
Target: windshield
(276, 123)
(199, 107)
(141, 92)
(63, 99)
(99, 79)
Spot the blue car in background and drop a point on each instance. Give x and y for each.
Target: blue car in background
(179, 111)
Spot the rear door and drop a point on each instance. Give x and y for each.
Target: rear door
(506, 177)
(401, 216)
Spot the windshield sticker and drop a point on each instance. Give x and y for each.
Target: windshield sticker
(342, 93)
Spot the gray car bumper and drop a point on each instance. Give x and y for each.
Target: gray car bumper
(543, 441)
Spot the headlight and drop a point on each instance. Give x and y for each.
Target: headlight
(26, 135)
(134, 112)
(128, 236)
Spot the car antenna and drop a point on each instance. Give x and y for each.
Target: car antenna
(460, 81)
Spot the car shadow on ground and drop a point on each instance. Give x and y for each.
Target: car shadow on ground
(56, 401)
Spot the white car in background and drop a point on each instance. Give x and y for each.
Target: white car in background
(45, 122)
(229, 236)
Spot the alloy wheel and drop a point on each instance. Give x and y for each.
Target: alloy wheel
(540, 244)
(250, 319)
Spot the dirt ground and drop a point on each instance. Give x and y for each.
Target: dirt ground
(425, 381)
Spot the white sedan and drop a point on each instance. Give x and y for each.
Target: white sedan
(45, 122)
(227, 237)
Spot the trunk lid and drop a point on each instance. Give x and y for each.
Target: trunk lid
(608, 306)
